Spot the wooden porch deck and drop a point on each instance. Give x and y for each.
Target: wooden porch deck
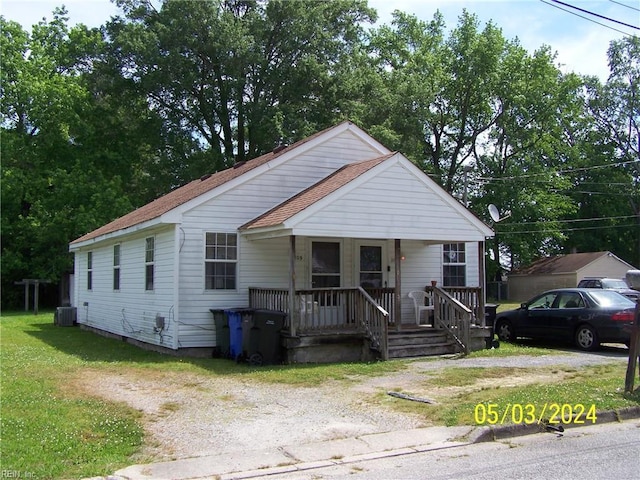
(323, 317)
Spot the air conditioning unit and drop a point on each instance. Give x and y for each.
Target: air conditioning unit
(65, 316)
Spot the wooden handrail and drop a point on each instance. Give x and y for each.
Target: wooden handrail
(472, 297)
(452, 315)
(374, 319)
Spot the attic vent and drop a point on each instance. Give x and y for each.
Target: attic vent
(279, 148)
(239, 164)
(204, 177)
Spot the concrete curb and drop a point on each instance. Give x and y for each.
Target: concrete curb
(304, 457)
(493, 433)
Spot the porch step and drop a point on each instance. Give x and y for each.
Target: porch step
(419, 342)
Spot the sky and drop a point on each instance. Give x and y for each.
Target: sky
(579, 39)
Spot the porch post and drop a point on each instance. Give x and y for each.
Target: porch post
(293, 314)
(483, 284)
(397, 306)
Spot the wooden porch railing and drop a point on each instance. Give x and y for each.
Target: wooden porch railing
(370, 311)
(453, 316)
(471, 297)
(332, 309)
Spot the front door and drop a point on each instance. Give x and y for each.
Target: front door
(371, 266)
(326, 261)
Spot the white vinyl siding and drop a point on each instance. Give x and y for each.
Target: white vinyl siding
(131, 311)
(393, 204)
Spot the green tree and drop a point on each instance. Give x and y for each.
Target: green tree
(608, 187)
(52, 190)
(484, 118)
(443, 89)
(235, 76)
(521, 161)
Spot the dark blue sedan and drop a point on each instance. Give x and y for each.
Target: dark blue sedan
(587, 317)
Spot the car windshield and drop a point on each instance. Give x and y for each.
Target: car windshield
(614, 284)
(606, 298)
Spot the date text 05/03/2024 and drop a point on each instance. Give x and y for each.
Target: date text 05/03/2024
(518, 413)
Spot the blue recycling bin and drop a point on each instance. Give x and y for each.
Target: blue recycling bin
(236, 317)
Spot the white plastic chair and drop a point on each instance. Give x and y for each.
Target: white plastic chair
(420, 300)
(308, 308)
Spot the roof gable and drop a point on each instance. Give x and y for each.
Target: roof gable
(208, 183)
(313, 194)
(384, 197)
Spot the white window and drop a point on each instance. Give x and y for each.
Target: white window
(149, 262)
(325, 264)
(454, 263)
(89, 270)
(116, 267)
(220, 261)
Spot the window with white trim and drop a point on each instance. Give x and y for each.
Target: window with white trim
(89, 270)
(116, 267)
(220, 261)
(454, 265)
(149, 262)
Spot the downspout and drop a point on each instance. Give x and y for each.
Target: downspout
(176, 284)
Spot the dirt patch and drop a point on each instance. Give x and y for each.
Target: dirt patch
(190, 415)
(187, 414)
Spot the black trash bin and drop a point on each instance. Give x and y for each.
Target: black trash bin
(265, 337)
(221, 323)
(490, 312)
(246, 315)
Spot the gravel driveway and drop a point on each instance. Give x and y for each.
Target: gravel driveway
(187, 415)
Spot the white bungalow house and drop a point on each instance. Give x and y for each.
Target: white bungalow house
(334, 230)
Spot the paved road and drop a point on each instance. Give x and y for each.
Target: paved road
(608, 451)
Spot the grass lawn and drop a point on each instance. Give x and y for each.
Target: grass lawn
(51, 431)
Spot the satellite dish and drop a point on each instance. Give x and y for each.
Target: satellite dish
(493, 211)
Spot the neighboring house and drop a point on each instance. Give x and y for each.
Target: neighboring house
(564, 271)
(299, 229)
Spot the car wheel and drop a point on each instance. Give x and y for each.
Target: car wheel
(586, 338)
(504, 330)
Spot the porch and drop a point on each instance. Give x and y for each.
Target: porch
(357, 324)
